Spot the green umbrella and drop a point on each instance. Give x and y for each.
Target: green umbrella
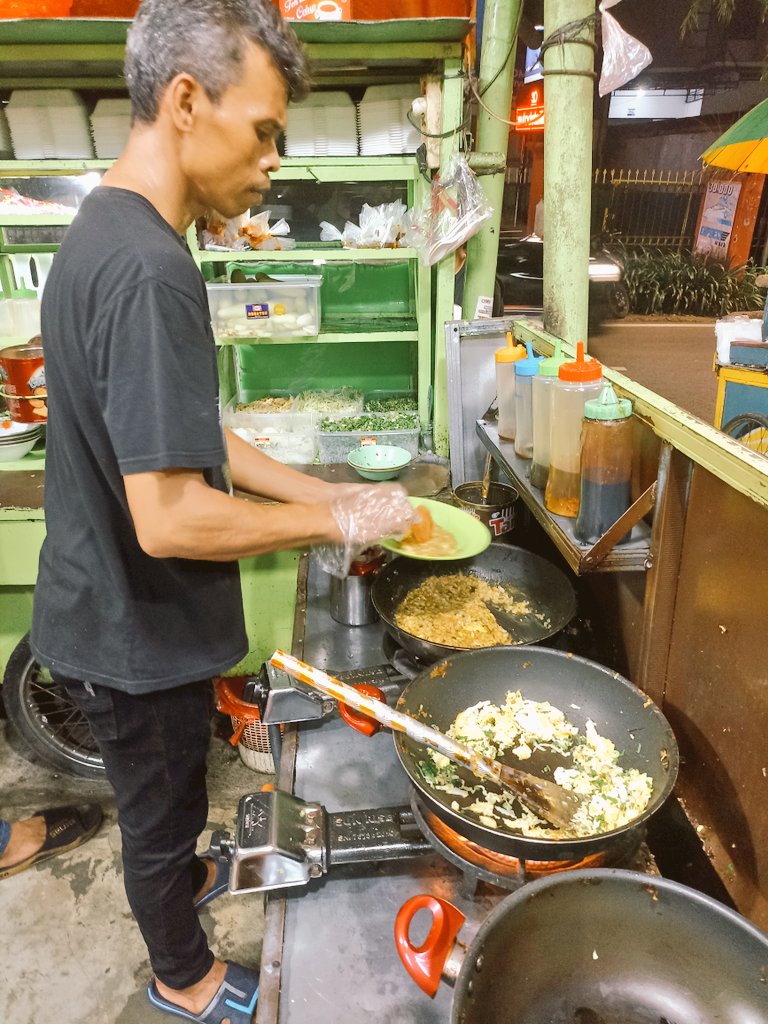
(744, 147)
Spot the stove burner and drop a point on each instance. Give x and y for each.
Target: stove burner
(480, 864)
(407, 664)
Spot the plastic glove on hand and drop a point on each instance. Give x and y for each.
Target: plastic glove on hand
(364, 517)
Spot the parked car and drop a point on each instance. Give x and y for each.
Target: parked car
(520, 281)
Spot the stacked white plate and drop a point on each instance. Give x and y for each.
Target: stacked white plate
(324, 124)
(111, 123)
(383, 117)
(48, 124)
(17, 439)
(6, 149)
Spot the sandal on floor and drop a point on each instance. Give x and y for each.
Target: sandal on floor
(65, 829)
(235, 1000)
(220, 881)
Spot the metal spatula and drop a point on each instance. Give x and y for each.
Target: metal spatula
(520, 625)
(546, 799)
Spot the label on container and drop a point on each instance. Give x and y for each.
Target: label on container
(316, 10)
(365, 441)
(501, 522)
(37, 380)
(484, 307)
(256, 310)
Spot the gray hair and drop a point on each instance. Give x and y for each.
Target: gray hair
(206, 39)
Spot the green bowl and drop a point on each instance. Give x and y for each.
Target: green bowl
(378, 461)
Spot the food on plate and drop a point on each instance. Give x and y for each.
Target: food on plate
(422, 528)
(426, 538)
(453, 610)
(612, 796)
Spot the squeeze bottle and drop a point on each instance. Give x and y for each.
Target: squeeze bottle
(25, 306)
(576, 383)
(542, 415)
(525, 374)
(505, 385)
(606, 465)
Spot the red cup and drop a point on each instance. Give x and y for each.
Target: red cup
(22, 376)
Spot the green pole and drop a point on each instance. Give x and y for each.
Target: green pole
(568, 94)
(497, 65)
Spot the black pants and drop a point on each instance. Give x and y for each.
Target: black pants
(154, 748)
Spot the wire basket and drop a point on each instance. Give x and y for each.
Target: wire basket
(249, 734)
(254, 748)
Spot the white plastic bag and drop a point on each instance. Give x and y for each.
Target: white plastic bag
(624, 57)
(241, 233)
(455, 209)
(379, 227)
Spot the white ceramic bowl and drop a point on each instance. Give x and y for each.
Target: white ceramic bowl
(10, 451)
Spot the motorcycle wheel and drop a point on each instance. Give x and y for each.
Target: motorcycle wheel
(618, 301)
(46, 720)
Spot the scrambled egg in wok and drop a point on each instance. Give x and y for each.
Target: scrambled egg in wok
(613, 796)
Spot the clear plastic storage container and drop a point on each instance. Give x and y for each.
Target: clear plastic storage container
(505, 385)
(282, 307)
(542, 415)
(577, 382)
(525, 373)
(289, 437)
(335, 445)
(390, 401)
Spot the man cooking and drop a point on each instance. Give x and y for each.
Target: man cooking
(138, 599)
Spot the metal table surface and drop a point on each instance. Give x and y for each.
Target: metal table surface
(329, 953)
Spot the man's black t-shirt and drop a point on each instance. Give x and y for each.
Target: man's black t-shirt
(130, 366)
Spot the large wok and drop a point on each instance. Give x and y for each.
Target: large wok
(582, 690)
(596, 947)
(548, 590)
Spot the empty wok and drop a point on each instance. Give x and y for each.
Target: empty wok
(549, 593)
(596, 947)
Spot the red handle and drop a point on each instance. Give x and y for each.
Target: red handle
(425, 963)
(362, 723)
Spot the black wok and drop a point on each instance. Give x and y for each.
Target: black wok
(597, 947)
(582, 690)
(548, 590)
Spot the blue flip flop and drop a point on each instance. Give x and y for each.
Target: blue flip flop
(235, 1000)
(220, 882)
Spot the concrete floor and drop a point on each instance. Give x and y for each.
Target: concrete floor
(71, 950)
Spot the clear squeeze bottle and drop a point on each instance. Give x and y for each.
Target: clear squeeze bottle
(25, 307)
(606, 465)
(542, 415)
(525, 374)
(576, 383)
(505, 385)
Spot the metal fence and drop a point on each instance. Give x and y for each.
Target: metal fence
(650, 207)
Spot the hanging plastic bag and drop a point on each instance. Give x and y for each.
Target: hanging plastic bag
(455, 209)
(624, 57)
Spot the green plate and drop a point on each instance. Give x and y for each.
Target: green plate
(471, 535)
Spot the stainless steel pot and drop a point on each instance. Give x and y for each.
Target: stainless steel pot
(594, 947)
